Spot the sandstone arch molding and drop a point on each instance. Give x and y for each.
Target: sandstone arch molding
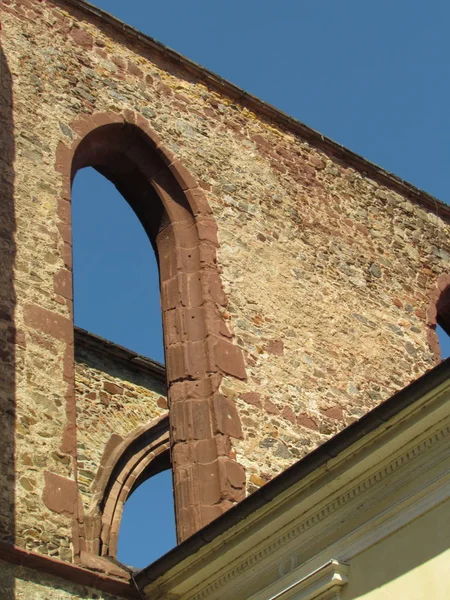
(125, 464)
(438, 312)
(198, 345)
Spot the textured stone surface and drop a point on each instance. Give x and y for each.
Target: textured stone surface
(327, 272)
(19, 583)
(113, 398)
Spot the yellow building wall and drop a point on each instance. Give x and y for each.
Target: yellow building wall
(411, 564)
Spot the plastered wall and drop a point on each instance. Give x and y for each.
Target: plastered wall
(412, 563)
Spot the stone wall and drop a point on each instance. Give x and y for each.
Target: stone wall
(327, 262)
(21, 583)
(117, 392)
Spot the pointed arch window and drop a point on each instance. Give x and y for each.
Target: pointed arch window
(116, 277)
(117, 296)
(198, 346)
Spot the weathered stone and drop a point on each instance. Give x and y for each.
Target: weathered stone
(60, 494)
(252, 398)
(319, 273)
(82, 38)
(112, 388)
(226, 418)
(375, 270)
(275, 347)
(49, 322)
(282, 451)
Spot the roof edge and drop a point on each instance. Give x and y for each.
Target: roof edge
(339, 443)
(260, 107)
(85, 339)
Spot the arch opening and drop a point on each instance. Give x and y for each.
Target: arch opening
(126, 157)
(444, 342)
(438, 318)
(127, 464)
(117, 296)
(147, 530)
(198, 346)
(443, 322)
(115, 271)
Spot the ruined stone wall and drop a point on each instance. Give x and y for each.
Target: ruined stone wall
(20, 583)
(116, 392)
(327, 267)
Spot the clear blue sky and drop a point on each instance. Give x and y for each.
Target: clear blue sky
(374, 76)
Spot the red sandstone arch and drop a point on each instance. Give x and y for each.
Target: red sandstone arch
(126, 463)
(198, 345)
(439, 312)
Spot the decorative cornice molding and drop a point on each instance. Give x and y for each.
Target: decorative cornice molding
(402, 419)
(337, 503)
(325, 582)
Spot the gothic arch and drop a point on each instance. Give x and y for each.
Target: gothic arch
(198, 345)
(126, 463)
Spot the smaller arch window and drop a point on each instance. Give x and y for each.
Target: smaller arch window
(147, 530)
(439, 318)
(444, 342)
(136, 474)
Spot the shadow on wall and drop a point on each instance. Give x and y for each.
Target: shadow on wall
(9, 337)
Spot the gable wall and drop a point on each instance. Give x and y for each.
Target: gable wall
(327, 272)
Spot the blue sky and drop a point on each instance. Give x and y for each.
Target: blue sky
(374, 76)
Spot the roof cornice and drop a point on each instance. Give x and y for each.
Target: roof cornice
(244, 516)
